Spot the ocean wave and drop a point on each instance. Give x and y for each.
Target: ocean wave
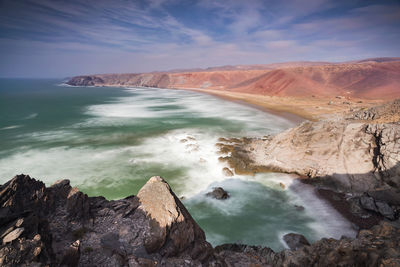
(11, 127)
(31, 116)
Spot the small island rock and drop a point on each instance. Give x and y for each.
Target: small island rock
(218, 193)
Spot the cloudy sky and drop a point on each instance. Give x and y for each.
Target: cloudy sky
(53, 38)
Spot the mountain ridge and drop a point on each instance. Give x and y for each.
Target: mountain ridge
(375, 78)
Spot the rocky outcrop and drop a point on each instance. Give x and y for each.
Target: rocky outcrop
(61, 225)
(378, 246)
(348, 156)
(340, 154)
(295, 241)
(218, 193)
(86, 81)
(172, 229)
(389, 112)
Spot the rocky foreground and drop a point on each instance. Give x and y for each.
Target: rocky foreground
(61, 226)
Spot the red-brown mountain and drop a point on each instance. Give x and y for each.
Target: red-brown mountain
(377, 78)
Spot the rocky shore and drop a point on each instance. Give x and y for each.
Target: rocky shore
(61, 226)
(353, 161)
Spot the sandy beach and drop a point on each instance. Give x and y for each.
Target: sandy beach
(294, 108)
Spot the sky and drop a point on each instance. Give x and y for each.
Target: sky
(54, 38)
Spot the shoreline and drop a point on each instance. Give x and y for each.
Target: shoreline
(295, 117)
(294, 109)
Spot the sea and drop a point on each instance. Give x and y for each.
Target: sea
(109, 141)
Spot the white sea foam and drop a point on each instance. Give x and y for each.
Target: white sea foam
(328, 222)
(31, 116)
(11, 127)
(144, 102)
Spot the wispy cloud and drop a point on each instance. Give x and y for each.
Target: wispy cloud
(60, 38)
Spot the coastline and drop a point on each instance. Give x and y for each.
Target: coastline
(294, 109)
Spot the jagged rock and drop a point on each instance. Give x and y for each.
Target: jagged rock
(64, 226)
(375, 247)
(368, 203)
(390, 196)
(380, 207)
(385, 209)
(218, 193)
(295, 241)
(386, 112)
(227, 172)
(150, 230)
(172, 229)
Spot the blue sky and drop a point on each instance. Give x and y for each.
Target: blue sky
(52, 38)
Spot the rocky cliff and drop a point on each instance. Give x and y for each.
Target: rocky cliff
(61, 226)
(356, 155)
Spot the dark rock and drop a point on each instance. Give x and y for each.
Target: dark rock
(218, 193)
(295, 241)
(227, 172)
(72, 255)
(385, 210)
(390, 196)
(380, 207)
(375, 247)
(368, 203)
(86, 81)
(299, 208)
(61, 226)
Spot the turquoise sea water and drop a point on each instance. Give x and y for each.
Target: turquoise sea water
(110, 141)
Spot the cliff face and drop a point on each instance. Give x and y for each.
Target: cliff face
(356, 154)
(366, 79)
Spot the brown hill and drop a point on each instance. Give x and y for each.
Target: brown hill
(361, 80)
(377, 78)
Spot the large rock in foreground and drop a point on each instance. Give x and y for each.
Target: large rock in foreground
(172, 229)
(60, 224)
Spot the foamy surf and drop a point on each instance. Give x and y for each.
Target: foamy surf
(10, 127)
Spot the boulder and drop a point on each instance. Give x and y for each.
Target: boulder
(218, 193)
(172, 229)
(295, 241)
(227, 172)
(381, 207)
